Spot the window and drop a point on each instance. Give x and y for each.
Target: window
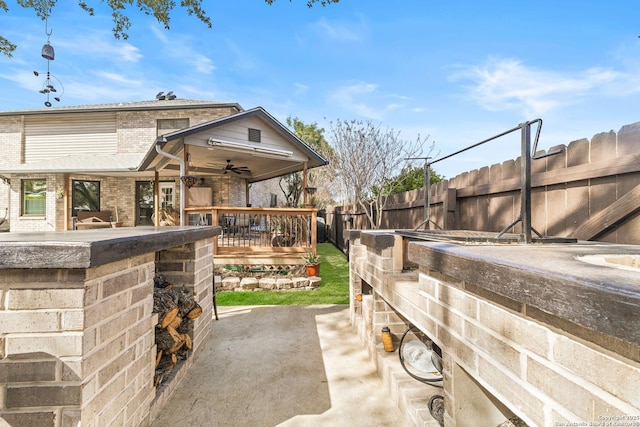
(166, 194)
(34, 196)
(85, 196)
(254, 135)
(168, 125)
(144, 202)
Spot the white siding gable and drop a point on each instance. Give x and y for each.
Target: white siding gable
(238, 131)
(58, 135)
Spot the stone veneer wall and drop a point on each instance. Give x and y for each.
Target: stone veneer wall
(491, 350)
(77, 345)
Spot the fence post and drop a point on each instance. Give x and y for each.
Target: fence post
(450, 206)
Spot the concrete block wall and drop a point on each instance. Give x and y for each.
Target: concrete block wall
(493, 353)
(368, 317)
(77, 345)
(541, 374)
(40, 346)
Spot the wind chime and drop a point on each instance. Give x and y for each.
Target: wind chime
(48, 87)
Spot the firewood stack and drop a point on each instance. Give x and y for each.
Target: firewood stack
(176, 311)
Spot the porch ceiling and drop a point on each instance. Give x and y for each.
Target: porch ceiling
(209, 146)
(213, 161)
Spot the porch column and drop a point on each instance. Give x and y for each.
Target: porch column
(66, 205)
(304, 184)
(156, 199)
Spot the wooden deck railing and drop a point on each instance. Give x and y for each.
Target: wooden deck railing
(259, 230)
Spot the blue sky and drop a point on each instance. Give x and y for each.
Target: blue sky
(458, 71)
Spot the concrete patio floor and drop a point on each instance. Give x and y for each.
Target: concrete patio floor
(281, 366)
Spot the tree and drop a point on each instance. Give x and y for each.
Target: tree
(160, 9)
(367, 158)
(291, 185)
(411, 178)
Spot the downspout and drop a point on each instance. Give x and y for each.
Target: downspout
(160, 141)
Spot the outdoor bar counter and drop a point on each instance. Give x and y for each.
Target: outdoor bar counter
(77, 327)
(548, 333)
(590, 284)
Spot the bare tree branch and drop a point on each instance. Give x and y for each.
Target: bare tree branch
(366, 163)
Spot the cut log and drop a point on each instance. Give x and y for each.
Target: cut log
(168, 339)
(176, 309)
(164, 303)
(175, 323)
(177, 338)
(175, 348)
(188, 342)
(162, 372)
(186, 301)
(195, 312)
(158, 357)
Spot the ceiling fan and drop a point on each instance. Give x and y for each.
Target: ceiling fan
(236, 169)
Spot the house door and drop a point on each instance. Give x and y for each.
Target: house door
(144, 202)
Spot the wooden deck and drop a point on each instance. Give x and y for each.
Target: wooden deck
(265, 234)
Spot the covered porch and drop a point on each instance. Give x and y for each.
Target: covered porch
(240, 150)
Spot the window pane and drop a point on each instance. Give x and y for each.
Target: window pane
(34, 196)
(86, 196)
(166, 194)
(144, 202)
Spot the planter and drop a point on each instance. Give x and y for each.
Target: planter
(312, 270)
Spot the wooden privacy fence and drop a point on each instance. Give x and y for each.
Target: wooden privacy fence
(590, 191)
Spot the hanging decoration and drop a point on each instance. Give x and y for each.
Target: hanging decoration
(48, 87)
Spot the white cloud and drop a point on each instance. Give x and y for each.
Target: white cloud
(99, 44)
(366, 100)
(353, 98)
(180, 48)
(507, 84)
(347, 31)
(300, 88)
(243, 60)
(160, 34)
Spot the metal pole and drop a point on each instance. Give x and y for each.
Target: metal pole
(427, 194)
(525, 181)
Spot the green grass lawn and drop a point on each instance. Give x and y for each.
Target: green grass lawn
(334, 289)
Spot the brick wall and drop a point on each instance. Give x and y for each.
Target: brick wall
(138, 129)
(79, 344)
(11, 140)
(89, 334)
(493, 350)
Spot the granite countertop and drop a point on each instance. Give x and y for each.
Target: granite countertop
(92, 248)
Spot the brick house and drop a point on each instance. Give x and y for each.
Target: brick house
(127, 159)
